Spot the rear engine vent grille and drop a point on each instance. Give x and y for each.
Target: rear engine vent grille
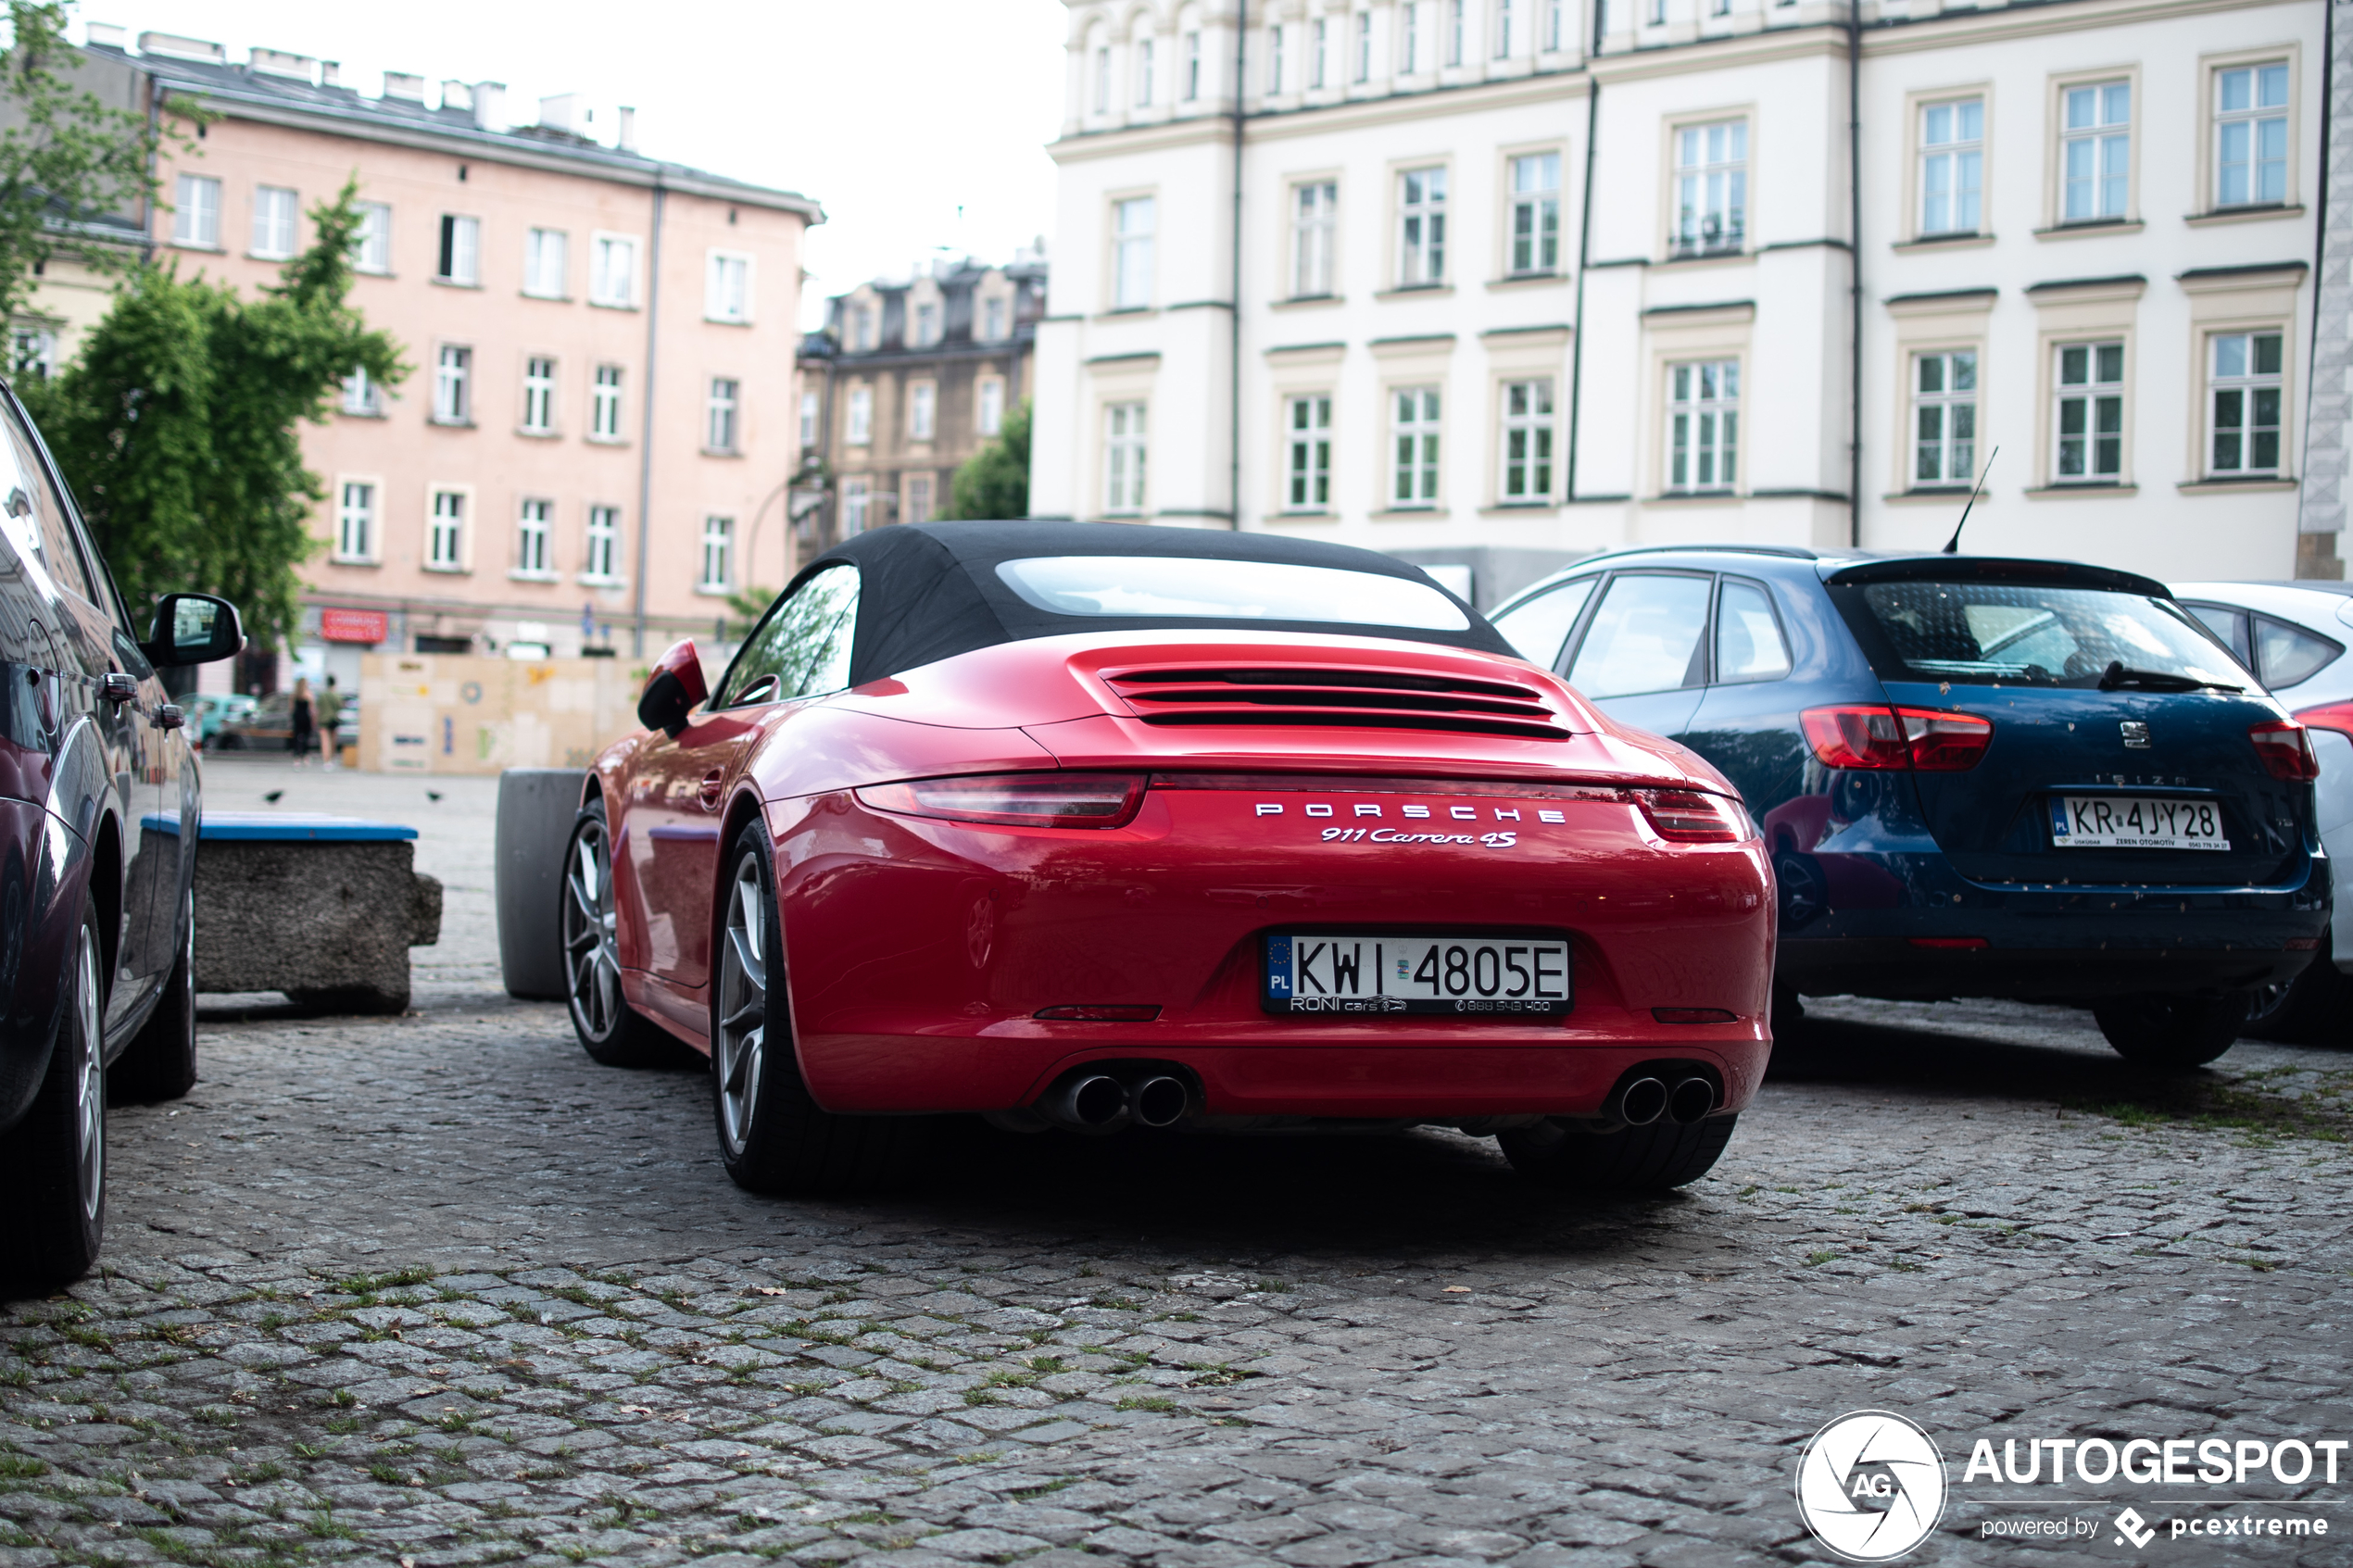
(1362, 699)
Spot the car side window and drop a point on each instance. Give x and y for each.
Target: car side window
(2286, 654)
(803, 649)
(2227, 624)
(35, 515)
(1749, 645)
(1538, 628)
(1650, 635)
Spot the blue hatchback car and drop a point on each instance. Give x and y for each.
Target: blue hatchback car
(1977, 777)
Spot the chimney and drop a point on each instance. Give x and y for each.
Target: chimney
(278, 62)
(328, 71)
(457, 95)
(490, 105)
(106, 35)
(401, 85)
(172, 46)
(625, 138)
(564, 112)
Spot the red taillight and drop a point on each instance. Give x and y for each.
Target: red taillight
(1922, 739)
(1688, 816)
(1694, 1015)
(2337, 716)
(1037, 800)
(1102, 1012)
(2287, 750)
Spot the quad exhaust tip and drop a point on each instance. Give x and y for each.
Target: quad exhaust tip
(1090, 1102)
(1646, 1100)
(1160, 1100)
(1641, 1102)
(1690, 1099)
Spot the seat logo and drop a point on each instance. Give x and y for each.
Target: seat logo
(2136, 732)
(1870, 1486)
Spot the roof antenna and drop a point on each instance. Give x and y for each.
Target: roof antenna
(1953, 545)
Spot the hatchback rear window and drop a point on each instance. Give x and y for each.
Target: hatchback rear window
(1985, 632)
(1193, 588)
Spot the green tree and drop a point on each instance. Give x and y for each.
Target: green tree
(994, 481)
(177, 423)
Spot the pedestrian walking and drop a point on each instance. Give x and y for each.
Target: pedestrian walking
(299, 742)
(330, 713)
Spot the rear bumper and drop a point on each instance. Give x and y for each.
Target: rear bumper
(1894, 968)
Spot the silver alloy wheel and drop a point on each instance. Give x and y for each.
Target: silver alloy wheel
(592, 957)
(90, 1085)
(740, 1053)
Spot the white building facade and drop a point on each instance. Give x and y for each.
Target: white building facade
(1516, 280)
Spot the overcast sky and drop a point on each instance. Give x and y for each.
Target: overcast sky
(893, 113)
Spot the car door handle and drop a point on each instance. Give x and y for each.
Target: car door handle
(711, 782)
(169, 717)
(117, 687)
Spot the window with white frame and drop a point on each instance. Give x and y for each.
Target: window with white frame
(371, 242)
(460, 257)
(1456, 27)
(2089, 416)
(992, 320)
(926, 325)
(992, 405)
(1193, 67)
(1320, 55)
(603, 554)
(1364, 45)
(811, 404)
(545, 255)
(195, 214)
(32, 352)
(1274, 59)
(1504, 19)
(1123, 460)
(719, 411)
(922, 409)
(1657, 9)
(1952, 166)
(2243, 390)
(861, 417)
(1528, 441)
(453, 375)
(1307, 453)
(1711, 186)
(532, 525)
(918, 506)
(356, 520)
(1421, 236)
(2250, 135)
(1102, 79)
(1144, 73)
(718, 554)
(1410, 56)
(1132, 223)
(446, 536)
(604, 404)
(855, 497)
(539, 394)
(361, 396)
(1943, 419)
(612, 280)
(1413, 469)
(1703, 425)
(1555, 24)
(1314, 208)
(1720, 7)
(1536, 213)
(2096, 151)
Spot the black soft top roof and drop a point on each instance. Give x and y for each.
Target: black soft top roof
(929, 591)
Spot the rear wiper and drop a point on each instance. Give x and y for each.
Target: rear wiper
(2116, 675)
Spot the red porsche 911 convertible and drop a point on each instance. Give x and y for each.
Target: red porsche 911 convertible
(1093, 825)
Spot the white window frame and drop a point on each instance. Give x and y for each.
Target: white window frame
(358, 519)
(1307, 453)
(535, 531)
(604, 402)
(2251, 119)
(33, 351)
(196, 215)
(363, 397)
(857, 499)
(1504, 16)
(1410, 52)
(2247, 384)
(1193, 67)
(922, 410)
(276, 217)
(458, 258)
(1555, 13)
(993, 316)
(1102, 79)
(546, 263)
(918, 505)
(1125, 453)
(991, 406)
(1144, 52)
(811, 411)
(1364, 46)
(723, 410)
(1703, 426)
(1534, 237)
(539, 394)
(1275, 60)
(1529, 449)
(1710, 190)
(453, 400)
(1945, 407)
(448, 528)
(1417, 448)
(1952, 170)
(371, 242)
(1315, 234)
(1421, 226)
(1134, 221)
(860, 426)
(602, 249)
(2095, 394)
(1458, 26)
(2107, 144)
(927, 329)
(1319, 55)
(601, 557)
(716, 574)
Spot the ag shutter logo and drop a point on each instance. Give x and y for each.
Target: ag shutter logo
(1870, 1486)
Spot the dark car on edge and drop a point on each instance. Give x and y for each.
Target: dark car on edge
(1977, 777)
(97, 906)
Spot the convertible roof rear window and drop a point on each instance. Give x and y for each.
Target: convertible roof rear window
(1159, 587)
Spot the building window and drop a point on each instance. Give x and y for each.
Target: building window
(2091, 412)
(544, 253)
(926, 325)
(273, 222)
(196, 218)
(1414, 470)
(719, 429)
(453, 373)
(1421, 207)
(1528, 441)
(613, 279)
(810, 406)
(371, 242)
(1952, 166)
(2244, 392)
(1455, 26)
(356, 521)
(992, 320)
(1308, 454)
(1658, 13)
(1315, 207)
(461, 259)
(32, 352)
(1704, 417)
(718, 546)
(1364, 45)
(2096, 151)
(540, 395)
(1711, 186)
(604, 544)
(446, 540)
(2250, 136)
(1536, 213)
(1144, 74)
(918, 499)
(1412, 12)
(854, 499)
(1502, 30)
(922, 404)
(1102, 79)
(604, 404)
(862, 416)
(530, 539)
(361, 396)
(1193, 67)
(1943, 419)
(992, 405)
(1124, 459)
(1555, 14)
(1318, 60)
(1274, 59)
(1132, 265)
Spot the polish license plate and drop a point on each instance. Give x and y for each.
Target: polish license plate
(2111, 822)
(1308, 973)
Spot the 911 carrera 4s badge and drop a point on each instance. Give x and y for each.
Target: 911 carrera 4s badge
(1458, 976)
(1414, 812)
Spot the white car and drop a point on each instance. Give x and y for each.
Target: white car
(2294, 636)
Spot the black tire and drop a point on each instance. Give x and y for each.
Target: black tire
(2314, 1008)
(1561, 1153)
(54, 1162)
(609, 1029)
(160, 1063)
(773, 1136)
(2172, 1033)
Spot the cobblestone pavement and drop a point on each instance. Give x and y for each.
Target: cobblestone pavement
(438, 1290)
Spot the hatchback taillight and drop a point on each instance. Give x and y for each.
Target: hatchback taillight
(2287, 750)
(1691, 816)
(1038, 800)
(1922, 739)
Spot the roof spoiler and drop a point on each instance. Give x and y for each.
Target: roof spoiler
(1996, 568)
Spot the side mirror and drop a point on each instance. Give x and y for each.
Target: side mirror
(672, 691)
(193, 629)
